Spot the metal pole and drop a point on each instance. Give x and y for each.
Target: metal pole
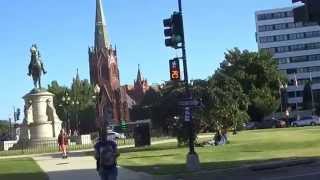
(295, 95)
(312, 98)
(186, 83)
(10, 130)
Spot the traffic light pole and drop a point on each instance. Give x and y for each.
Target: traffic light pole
(186, 83)
(192, 158)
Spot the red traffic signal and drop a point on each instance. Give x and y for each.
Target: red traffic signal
(174, 65)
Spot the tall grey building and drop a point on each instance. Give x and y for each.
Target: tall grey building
(295, 47)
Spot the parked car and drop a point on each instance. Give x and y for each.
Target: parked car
(116, 135)
(306, 121)
(251, 125)
(264, 124)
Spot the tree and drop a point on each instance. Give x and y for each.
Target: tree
(258, 76)
(202, 118)
(4, 128)
(229, 104)
(81, 106)
(145, 108)
(307, 96)
(58, 92)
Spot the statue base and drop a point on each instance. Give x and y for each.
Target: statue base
(41, 118)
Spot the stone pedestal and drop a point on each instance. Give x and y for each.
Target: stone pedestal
(40, 116)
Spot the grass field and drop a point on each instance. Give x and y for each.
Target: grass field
(246, 148)
(20, 169)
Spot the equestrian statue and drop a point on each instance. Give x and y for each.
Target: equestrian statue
(36, 67)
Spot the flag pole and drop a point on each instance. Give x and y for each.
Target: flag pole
(295, 94)
(312, 98)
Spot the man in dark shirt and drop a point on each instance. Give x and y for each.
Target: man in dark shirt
(107, 165)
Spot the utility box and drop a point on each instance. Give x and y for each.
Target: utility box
(142, 135)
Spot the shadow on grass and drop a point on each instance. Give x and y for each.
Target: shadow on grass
(180, 170)
(141, 157)
(83, 174)
(24, 176)
(89, 174)
(158, 147)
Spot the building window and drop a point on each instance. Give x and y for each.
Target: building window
(270, 50)
(282, 37)
(314, 57)
(299, 59)
(282, 49)
(290, 25)
(277, 15)
(297, 47)
(300, 35)
(309, 35)
(283, 60)
(280, 26)
(292, 36)
(291, 71)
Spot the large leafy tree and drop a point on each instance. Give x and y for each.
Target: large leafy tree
(81, 105)
(259, 78)
(59, 92)
(4, 127)
(229, 104)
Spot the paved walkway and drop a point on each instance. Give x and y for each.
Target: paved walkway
(80, 167)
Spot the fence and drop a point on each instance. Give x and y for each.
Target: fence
(47, 146)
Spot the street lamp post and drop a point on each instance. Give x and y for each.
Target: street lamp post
(104, 124)
(77, 116)
(66, 100)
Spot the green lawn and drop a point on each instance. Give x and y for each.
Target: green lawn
(20, 169)
(245, 148)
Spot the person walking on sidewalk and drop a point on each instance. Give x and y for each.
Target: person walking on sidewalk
(106, 154)
(63, 143)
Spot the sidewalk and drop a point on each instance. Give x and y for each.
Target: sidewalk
(80, 167)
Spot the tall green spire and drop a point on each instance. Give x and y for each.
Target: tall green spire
(101, 34)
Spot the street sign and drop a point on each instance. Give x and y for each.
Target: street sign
(189, 103)
(187, 114)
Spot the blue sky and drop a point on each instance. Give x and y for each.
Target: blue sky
(64, 29)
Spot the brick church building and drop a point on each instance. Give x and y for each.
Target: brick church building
(139, 88)
(114, 100)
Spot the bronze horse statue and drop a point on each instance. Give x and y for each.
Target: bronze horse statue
(36, 66)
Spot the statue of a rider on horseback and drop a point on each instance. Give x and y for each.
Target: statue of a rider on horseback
(36, 67)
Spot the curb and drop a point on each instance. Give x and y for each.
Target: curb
(281, 164)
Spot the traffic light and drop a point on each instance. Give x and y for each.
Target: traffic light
(173, 30)
(174, 65)
(309, 12)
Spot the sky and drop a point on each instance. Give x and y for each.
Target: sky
(64, 29)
